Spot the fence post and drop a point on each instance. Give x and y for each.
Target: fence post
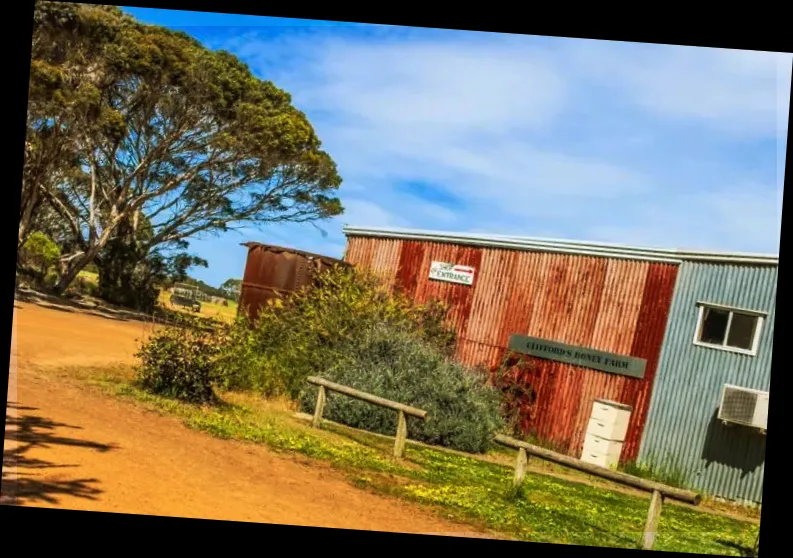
(401, 435)
(520, 467)
(653, 517)
(317, 422)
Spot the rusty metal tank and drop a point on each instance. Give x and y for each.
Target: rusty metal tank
(276, 271)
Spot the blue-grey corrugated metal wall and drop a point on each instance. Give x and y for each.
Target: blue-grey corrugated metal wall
(682, 432)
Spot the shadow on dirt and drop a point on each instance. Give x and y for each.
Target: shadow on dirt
(162, 316)
(27, 480)
(65, 304)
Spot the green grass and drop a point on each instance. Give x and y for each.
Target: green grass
(219, 311)
(545, 509)
(671, 475)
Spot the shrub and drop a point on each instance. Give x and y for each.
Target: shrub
(511, 379)
(84, 285)
(38, 256)
(312, 330)
(243, 362)
(177, 362)
(463, 410)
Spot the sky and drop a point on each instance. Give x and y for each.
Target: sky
(638, 144)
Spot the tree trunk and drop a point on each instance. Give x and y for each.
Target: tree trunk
(30, 202)
(117, 268)
(116, 281)
(72, 269)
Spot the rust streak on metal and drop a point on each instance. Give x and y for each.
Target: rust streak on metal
(648, 338)
(410, 259)
(618, 311)
(604, 303)
(275, 271)
(386, 261)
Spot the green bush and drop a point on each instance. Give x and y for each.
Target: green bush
(177, 362)
(244, 363)
(38, 256)
(85, 286)
(463, 410)
(511, 379)
(312, 329)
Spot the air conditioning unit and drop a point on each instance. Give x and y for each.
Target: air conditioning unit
(748, 407)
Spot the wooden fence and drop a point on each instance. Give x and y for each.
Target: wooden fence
(403, 410)
(657, 490)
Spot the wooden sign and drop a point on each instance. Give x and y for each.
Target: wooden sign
(579, 356)
(442, 271)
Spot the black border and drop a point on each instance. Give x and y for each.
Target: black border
(685, 27)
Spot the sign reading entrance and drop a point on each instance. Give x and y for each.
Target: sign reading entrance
(579, 356)
(452, 273)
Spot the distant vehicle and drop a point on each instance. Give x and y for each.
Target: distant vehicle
(186, 296)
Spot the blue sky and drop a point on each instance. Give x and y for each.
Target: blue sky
(679, 147)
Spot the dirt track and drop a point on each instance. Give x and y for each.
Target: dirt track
(77, 449)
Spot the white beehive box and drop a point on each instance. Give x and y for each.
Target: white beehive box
(602, 452)
(605, 434)
(609, 420)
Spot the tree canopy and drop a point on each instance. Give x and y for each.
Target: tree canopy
(231, 288)
(135, 126)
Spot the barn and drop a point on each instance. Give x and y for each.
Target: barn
(650, 335)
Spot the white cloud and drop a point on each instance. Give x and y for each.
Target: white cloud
(426, 87)
(481, 115)
(745, 93)
(745, 219)
(368, 214)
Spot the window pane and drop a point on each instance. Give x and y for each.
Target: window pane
(742, 331)
(714, 326)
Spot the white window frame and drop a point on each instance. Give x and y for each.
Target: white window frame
(761, 317)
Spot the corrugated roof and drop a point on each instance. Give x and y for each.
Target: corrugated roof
(274, 248)
(565, 246)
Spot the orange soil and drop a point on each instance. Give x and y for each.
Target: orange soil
(70, 447)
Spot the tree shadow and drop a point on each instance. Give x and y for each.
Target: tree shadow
(66, 304)
(22, 480)
(18, 407)
(85, 310)
(745, 551)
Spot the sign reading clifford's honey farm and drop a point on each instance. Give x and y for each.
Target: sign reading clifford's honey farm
(578, 356)
(452, 273)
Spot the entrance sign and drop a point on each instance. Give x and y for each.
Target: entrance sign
(578, 356)
(451, 273)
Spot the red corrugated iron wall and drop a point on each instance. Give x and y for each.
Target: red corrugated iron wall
(613, 305)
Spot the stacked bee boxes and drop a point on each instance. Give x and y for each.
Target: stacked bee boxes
(606, 433)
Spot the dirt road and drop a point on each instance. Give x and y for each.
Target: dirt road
(70, 447)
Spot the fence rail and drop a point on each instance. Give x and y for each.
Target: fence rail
(657, 490)
(403, 410)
